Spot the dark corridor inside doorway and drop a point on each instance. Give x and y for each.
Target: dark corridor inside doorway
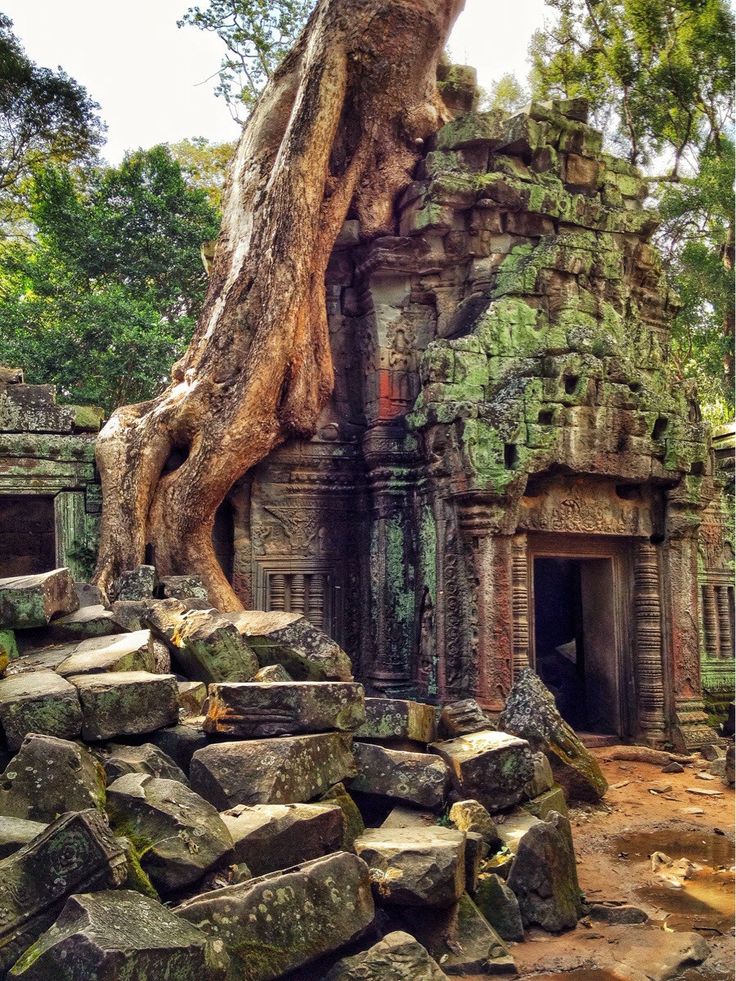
(574, 639)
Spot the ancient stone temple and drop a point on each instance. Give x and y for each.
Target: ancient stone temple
(49, 495)
(508, 472)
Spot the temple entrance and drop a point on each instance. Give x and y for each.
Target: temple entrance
(577, 651)
(27, 535)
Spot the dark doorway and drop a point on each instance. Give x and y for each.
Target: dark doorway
(576, 652)
(27, 535)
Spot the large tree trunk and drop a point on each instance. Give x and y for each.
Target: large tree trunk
(341, 121)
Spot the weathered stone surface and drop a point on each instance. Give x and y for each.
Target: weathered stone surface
(178, 835)
(729, 776)
(395, 718)
(122, 652)
(459, 718)
(180, 742)
(8, 648)
(162, 616)
(205, 645)
(513, 827)
(145, 758)
(531, 713)
(488, 766)
(640, 960)
(476, 851)
(86, 622)
(192, 696)
(39, 701)
(17, 832)
(289, 639)
(460, 939)
(403, 816)
(182, 587)
(116, 935)
(136, 584)
(288, 770)
(281, 921)
(544, 876)
(353, 825)
(76, 853)
(31, 601)
(550, 800)
(414, 866)
(542, 780)
(272, 673)
(125, 703)
(256, 711)
(471, 815)
(268, 837)
(500, 906)
(417, 778)
(398, 957)
(48, 777)
(616, 913)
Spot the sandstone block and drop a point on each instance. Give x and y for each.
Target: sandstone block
(272, 673)
(255, 711)
(544, 804)
(542, 780)
(179, 835)
(76, 853)
(398, 957)
(500, 907)
(180, 742)
(488, 766)
(282, 921)
(110, 935)
(121, 652)
(459, 718)
(145, 758)
(137, 584)
(352, 818)
(89, 621)
(268, 837)
(414, 866)
(192, 696)
(470, 815)
(207, 647)
(416, 778)
(125, 703)
(17, 832)
(288, 770)
(395, 718)
(41, 702)
(291, 640)
(48, 777)
(182, 587)
(32, 601)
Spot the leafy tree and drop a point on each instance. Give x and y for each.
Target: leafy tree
(507, 95)
(257, 34)
(204, 165)
(45, 116)
(107, 293)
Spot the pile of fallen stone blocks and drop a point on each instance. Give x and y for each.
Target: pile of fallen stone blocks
(194, 794)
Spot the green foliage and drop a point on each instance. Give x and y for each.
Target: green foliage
(507, 95)
(257, 35)
(45, 117)
(204, 165)
(105, 296)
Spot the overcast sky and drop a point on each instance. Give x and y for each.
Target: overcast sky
(150, 77)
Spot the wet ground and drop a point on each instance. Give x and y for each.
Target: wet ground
(646, 811)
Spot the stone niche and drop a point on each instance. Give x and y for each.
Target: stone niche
(49, 494)
(508, 471)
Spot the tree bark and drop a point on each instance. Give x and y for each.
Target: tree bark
(340, 123)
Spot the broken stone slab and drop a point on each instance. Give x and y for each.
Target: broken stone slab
(111, 935)
(136, 584)
(88, 621)
(471, 815)
(178, 835)
(138, 614)
(459, 718)
(288, 770)
(544, 804)
(87, 594)
(204, 644)
(180, 742)
(257, 711)
(531, 713)
(41, 702)
(291, 640)
(409, 817)
(268, 837)
(182, 587)
(48, 777)
(272, 673)
(16, 832)
(476, 851)
(76, 853)
(416, 778)
(192, 696)
(46, 659)
(544, 876)
(542, 780)
(32, 601)
(616, 913)
(125, 703)
(673, 953)
(353, 825)
(145, 758)
(396, 718)
(398, 957)
(513, 827)
(500, 907)
(414, 866)
(460, 939)
(488, 766)
(285, 920)
(120, 652)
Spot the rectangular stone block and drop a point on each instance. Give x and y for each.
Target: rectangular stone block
(31, 601)
(126, 703)
(396, 718)
(488, 766)
(121, 652)
(39, 701)
(89, 621)
(255, 711)
(289, 770)
(415, 778)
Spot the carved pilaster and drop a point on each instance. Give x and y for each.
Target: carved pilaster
(649, 666)
(725, 624)
(520, 604)
(710, 621)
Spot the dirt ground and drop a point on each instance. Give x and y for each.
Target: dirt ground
(613, 842)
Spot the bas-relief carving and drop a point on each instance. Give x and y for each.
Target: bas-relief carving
(592, 509)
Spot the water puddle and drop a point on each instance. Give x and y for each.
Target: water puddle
(581, 974)
(705, 900)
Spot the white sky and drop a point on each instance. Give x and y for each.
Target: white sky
(149, 76)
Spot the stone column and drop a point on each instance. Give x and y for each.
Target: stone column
(648, 662)
(520, 603)
(725, 629)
